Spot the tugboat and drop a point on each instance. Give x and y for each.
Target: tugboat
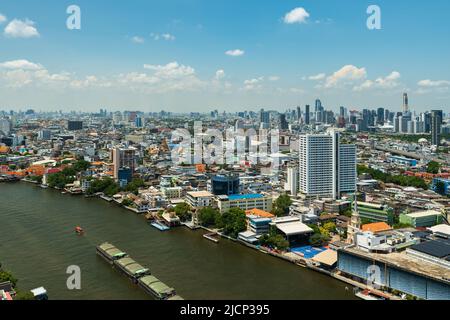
(79, 231)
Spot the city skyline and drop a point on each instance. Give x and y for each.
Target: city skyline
(201, 56)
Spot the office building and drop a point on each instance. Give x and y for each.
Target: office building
(436, 124)
(5, 127)
(245, 202)
(74, 125)
(307, 114)
(292, 180)
(225, 184)
(405, 103)
(123, 158)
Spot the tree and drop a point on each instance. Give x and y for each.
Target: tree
(433, 167)
(127, 202)
(208, 216)
(81, 165)
(233, 222)
(24, 295)
(183, 211)
(134, 186)
(281, 205)
(318, 240)
(6, 276)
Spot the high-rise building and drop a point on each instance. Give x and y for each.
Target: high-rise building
(405, 102)
(327, 167)
(5, 127)
(436, 125)
(292, 180)
(307, 114)
(264, 117)
(225, 184)
(123, 158)
(283, 122)
(380, 116)
(299, 113)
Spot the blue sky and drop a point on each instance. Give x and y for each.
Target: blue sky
(171, 55)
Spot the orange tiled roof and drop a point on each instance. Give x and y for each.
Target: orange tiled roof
(259, 213)
(376, 227)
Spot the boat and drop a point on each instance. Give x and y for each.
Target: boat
(131, 268)
(40, 294)
(79, 230)
(368, 295)
(110, 253)
(44, 186)
(155, 287)
(214, 237)
(160, 226)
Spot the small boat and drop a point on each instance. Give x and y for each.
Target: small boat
(79, 230)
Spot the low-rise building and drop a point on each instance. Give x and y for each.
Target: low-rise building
(418, 219)
(199, 199)
(245, 202)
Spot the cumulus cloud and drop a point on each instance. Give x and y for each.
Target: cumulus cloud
(235, 53)
(317, 77)
(138, 40)
(433, 83)
(220, 74)
(21, 29)
(20, 64)
(297, 15)
(344, 75)
(388, 82)
(2, 18)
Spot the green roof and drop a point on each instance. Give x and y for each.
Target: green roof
(156, 285)
(132, 266)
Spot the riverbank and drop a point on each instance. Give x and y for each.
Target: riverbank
(200, 269)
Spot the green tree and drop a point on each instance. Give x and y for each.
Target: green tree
(281, 205)
(127, 202)
(433, 167)
(6, 276)
(81, 165)
(318, 240)
(183, 211)
(233, 222)
(24, 295)
(208, 216)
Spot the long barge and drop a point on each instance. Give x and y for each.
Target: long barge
(136, 272)
(131, 268)
(155, 287)
(110, 253)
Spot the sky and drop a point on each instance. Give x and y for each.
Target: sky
(230, 55)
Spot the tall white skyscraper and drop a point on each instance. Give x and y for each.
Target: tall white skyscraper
(327, 167)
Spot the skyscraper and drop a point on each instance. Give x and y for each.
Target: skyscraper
(405, 103)
(327, 167)
(307, 114)
(436, 123)
(292, 180)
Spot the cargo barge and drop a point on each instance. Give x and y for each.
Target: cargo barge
(110, 253)
(131, 268)
(155, 287)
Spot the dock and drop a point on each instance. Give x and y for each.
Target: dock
(214, 237)
(160, 226)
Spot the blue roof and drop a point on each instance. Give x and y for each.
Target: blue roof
(245, 196)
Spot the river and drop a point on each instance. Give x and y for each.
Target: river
(37, 243)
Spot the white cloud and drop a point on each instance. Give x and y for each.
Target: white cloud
(168, 37)
(171, 70)
(220, 74)
(164, 36)
(317, 77)
(274, 78)
(137, 39)
(235, 53)
(388, 82)
(2, 18)
(347, 73)
(21, 29)
(433, 84)
(20, 64)
(253, 84)
(297, 15)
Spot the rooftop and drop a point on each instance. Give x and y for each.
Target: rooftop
(376, 227)
(245, 196)
(406, 262)
(421, 214)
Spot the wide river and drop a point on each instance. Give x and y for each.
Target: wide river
(37, 243)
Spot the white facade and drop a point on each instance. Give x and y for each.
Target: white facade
(292, 181)
(327, 168)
